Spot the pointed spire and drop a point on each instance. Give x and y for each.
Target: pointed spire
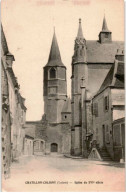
(80, 32)
(54, 56)
(104, 25)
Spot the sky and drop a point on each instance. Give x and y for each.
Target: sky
(29, 26)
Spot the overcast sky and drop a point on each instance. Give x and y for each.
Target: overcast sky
(28, 26)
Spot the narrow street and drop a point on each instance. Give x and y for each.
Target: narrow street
(57, 173)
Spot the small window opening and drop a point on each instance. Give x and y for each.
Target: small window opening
(52, 73)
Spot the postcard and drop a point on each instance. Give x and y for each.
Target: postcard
(63, 96)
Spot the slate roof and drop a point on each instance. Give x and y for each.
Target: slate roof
(67, 106)
(54, 56)
(112, 79)
(104, 26)
(3, 41)
(102, 52)
(4, 44)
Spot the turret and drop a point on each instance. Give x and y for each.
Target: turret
(80, 46)
(105, 36)
(55, 89)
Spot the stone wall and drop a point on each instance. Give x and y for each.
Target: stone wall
(59, 134)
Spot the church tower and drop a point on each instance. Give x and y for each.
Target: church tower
(79, 71)
(55, 87)
(105, 36)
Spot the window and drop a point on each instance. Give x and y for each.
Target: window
(65, 116)
(95, 109)
(52, 73)
(106, 103)
(106, 35)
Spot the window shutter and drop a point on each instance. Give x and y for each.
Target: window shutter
(95, 109)
(103, 104)
(107, 102)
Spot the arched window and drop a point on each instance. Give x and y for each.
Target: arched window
(52, 73)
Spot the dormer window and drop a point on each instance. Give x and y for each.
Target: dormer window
(52, 73)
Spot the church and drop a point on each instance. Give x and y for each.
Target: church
(69, 126)
(91, 62)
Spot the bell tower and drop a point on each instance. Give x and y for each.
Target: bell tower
(105, 36)
(79, 70)
(55, 87)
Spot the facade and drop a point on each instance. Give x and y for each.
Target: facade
(91, 63)
(13, 110)
(108, 111)
(17, 111)
(6, 121)
(28, 145)
(29, 137)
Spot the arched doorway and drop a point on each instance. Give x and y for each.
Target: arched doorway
(39, 147)
(54, 147)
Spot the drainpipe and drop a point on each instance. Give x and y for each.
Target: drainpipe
(83, 117)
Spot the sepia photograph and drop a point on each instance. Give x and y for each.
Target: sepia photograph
(62, 96)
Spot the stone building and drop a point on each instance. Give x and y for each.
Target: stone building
(53, 132)
(5, 111)
(17, 111)
(109, 113)
(119, 139)
(14, 110)
(29, 140)
(56, 102)
(91, 62)
(36, 130)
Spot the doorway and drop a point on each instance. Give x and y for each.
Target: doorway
(41, 146)
(103, 132)
(54, 147)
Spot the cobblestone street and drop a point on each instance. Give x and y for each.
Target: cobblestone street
(57, 173)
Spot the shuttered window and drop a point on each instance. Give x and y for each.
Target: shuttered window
(95, 109)
(106, 103)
